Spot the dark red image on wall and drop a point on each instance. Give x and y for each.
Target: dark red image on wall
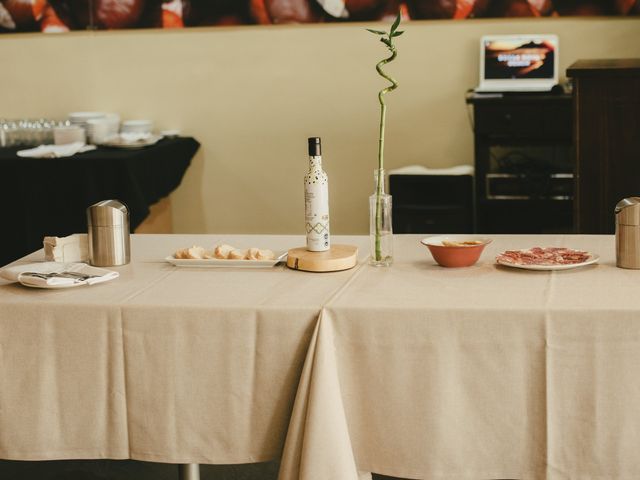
(65, 15)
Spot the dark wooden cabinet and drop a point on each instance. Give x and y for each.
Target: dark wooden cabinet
(607, 139)
(523, 163)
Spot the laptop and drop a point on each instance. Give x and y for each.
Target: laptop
(518, 63)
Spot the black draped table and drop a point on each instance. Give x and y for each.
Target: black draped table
(49, 196)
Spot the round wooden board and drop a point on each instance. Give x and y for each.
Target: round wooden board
(338, 257)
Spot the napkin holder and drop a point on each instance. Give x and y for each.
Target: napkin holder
(338, 257)
(108, 233)
(73, 248)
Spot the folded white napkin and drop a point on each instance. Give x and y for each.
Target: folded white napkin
(56, 151)
(23, 273)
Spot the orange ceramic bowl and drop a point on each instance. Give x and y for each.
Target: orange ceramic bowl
(456, 250)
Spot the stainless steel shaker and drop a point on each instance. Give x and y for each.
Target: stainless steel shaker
(108, 233)
(628, 233)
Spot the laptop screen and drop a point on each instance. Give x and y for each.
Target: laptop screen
(519, 61)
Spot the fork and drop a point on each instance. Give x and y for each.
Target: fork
(81, 276)
(77, 276)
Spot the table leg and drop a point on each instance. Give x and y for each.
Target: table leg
(189, 471)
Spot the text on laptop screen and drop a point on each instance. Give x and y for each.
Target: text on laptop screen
(518, 58)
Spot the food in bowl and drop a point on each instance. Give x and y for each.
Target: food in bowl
(456, 250)
(466, 243)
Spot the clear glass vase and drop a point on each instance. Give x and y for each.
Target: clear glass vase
(380, 220)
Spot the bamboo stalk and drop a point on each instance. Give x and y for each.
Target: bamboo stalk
(387, 39)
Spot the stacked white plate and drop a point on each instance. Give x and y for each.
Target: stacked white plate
(137, 126)
(99, 126)
(99, 131)
(113, 119)
(81, 118)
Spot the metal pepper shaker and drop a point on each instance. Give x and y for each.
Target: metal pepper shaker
(108, 233)
(628, 233)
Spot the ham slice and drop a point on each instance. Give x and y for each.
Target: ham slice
(544, 256)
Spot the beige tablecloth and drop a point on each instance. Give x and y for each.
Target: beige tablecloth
(478, 373)
(415, 370)
(163, 364)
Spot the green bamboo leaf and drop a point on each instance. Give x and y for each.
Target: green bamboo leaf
(377, 32)
(397, 34)
(395, 24)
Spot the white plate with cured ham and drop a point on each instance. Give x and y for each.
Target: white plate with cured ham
(546, 258)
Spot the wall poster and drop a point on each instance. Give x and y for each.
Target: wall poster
(65, 15)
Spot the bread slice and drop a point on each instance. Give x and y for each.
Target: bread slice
(223, 251)
(196, 252)
(265, 255)
(237, 254)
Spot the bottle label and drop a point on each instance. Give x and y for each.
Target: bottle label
(316, 202)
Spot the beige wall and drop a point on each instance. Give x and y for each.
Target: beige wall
(252, 96)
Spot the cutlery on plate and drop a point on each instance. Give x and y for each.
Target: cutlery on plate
(77, 276)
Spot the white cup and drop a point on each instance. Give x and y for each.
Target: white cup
(68, 134)
(99, 131)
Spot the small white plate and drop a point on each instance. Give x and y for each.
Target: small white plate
(53, 287)
(221, 263)
(15, 274)
(119, 143)
(592, 259)
(170, 133)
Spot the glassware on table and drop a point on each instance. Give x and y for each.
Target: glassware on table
(9, 135)
(26, 132)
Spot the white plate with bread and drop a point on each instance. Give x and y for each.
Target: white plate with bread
(225, 256)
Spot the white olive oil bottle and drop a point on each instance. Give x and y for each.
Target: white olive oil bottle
(316, 200)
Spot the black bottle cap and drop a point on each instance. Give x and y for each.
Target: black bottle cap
(314, 147)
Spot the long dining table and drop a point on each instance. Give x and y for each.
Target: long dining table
(415, 370)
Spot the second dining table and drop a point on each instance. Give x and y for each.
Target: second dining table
(486, 372)
(50, 196)
(416, 370)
